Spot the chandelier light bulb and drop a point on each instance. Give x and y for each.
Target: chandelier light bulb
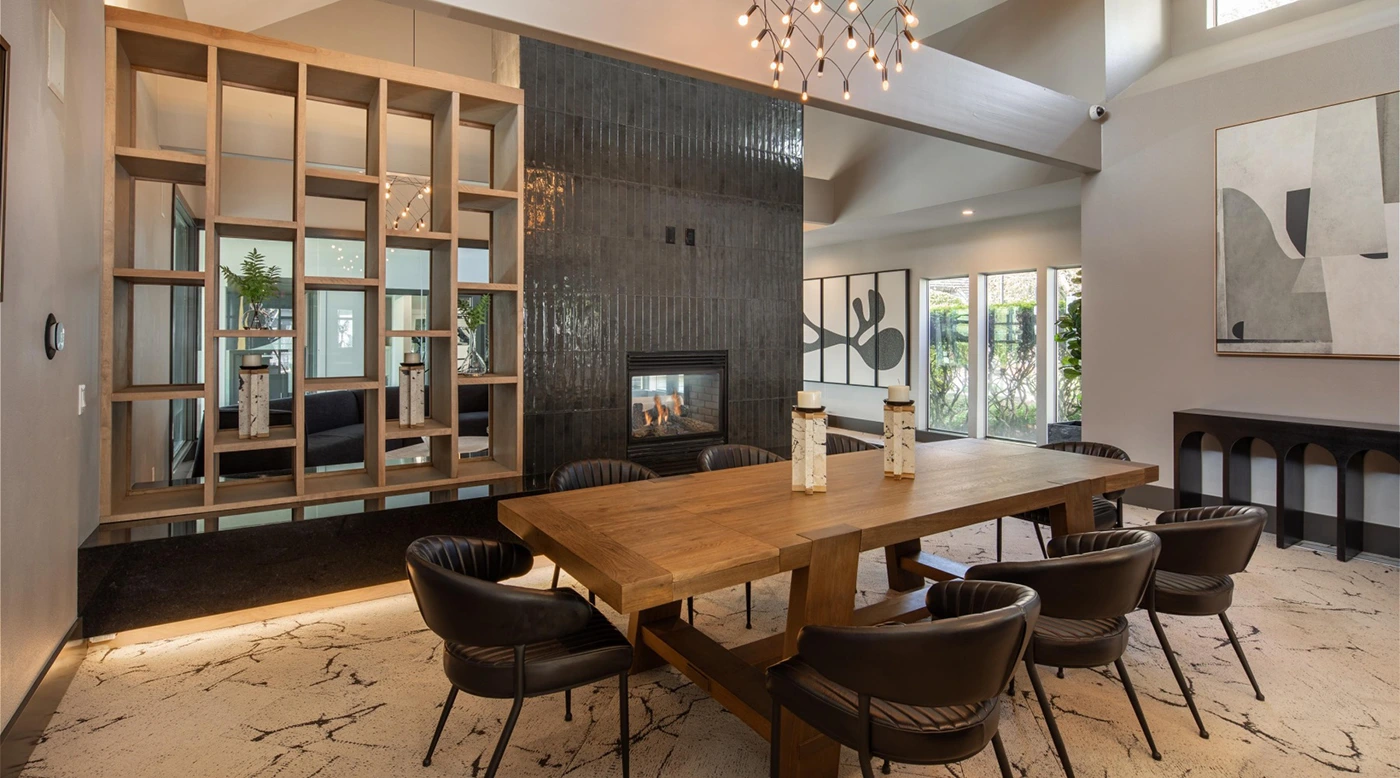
(870, 51)
(879, 64)
(804, 90)
(774, 64)
(821, 47)
(913, 42)
(846, 89)
(821, 68)
(775, 82)
(427, 189)
(816, 6)
(761, 33)
(853, 6)
(899, 60)
(744, 20)
(885, 80)
(787, 17)
(787, 37)
(850, 37)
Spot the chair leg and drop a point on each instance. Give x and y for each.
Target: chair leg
(625, 744)
(775, 746)
(1239, 652)
(1002, 761)
(442, 721)
(1137, 709)
(1059, 672)
(554, 584)
(592, 598)
(748, 605)
(866, 770)
(1176, 670)
(690, 610)
(1040, 538)
(885, 768)
(514, 713)
(568, 704)
(1049, 717)
(998, 540)
(1119, 523)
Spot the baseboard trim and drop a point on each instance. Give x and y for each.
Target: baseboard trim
(1377, 539)
(23, 731)
(878, 428)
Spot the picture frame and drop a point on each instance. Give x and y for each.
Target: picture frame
(856, 329)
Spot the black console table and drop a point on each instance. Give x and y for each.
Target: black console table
(1346, 441)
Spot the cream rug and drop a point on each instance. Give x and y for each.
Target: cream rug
(356, 691)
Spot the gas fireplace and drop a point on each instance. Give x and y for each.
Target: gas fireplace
(676, 406)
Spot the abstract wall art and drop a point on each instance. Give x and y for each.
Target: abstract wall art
(855, 329)
(1307, 214)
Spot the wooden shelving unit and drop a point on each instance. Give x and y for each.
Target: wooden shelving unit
(217, 58)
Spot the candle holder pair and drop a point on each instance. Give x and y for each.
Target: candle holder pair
(809, 425)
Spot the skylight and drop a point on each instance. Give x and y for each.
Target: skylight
(1220, 12)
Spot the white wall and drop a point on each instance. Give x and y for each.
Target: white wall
(48, 484)
(1149, 279)
(1034, 242)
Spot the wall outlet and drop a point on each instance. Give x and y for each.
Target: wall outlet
(671, 235)
(690, 236)
(82, 398)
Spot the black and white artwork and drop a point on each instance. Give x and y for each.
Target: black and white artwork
(856, 329)
(1307, 214)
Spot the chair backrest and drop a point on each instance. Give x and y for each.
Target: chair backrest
(845, 444)
(1091, 449)
(735, 455)
(1219, 540)
(588, 473)
(1093, 575)
(966, 655)
(455, 581)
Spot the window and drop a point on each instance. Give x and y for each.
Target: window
(1220, 12)
(1012, 360)
(1068, 395)
(947, 354)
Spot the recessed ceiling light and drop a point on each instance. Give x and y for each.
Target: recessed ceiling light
(967, 212)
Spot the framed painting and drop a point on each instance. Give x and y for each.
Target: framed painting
(856, 329)
(1306, 220)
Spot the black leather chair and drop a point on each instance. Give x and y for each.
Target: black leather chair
(509, 642)
(732, 455)
(1108, 509)
(927, 693)
(725, 457)
(1201, 549)
(845, 444)
(588, 473)
(1088, 585)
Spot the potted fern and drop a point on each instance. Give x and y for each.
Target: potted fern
(257, 284)
(473, 317)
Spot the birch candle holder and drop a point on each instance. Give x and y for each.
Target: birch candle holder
(809, 444)
(253, 388)
(411, 390)
(899, 434)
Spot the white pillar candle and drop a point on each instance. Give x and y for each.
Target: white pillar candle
(412, 358)
(252, 360)
(899, 394)
(809, 399)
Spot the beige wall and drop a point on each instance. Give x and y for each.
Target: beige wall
(1148, 229)
(48, 454)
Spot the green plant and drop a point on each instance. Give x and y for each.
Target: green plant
(258, 282)
(473, 314)
(1068, 333)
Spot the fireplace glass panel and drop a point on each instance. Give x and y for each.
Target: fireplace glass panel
(672, 405)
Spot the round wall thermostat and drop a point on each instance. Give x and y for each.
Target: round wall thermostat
(53, 336)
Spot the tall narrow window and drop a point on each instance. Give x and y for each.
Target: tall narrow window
(1220, 12)
(1012, 365)
(1068, 396)
(947, 354)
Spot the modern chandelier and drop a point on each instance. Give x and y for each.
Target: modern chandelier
(828, 34)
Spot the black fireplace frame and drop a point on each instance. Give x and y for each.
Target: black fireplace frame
(676, 454)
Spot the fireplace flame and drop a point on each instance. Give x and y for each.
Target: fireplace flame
(662, 413)
(676, 404)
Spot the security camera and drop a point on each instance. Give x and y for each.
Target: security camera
(1097, 113)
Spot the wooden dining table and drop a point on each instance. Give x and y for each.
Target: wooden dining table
(644, 547)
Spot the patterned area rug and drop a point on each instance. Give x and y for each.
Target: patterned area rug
(356, 691)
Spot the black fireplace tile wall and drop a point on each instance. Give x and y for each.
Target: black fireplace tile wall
(615, 153)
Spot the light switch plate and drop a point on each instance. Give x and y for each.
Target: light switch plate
(58, 52)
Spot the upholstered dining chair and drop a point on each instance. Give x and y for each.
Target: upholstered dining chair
(1201, 549)
(878, 690)
(725, 457)
(1087, 587)
(845, 444)
(504, 641)
(588, 473)
(1108, 509)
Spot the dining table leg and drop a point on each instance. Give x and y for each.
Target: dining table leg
(643, 657)
(824, 593)
(902, 580)
(1076, 513)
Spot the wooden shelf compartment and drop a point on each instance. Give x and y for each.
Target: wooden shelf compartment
(431, 428)
(158, 277)
(255, 229)
(400, 239)
(335, 233)
(339, 484)
(486, 378)
(168, 56)
(255, 333)
(342, 185)
(341, 384)
(337, 283)
(253, 492)
(158, 502)
(480, 198)
(158, 392)
(175, 167)
(420, 334)
(473, 287)
(278, 437)
(425, 477)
